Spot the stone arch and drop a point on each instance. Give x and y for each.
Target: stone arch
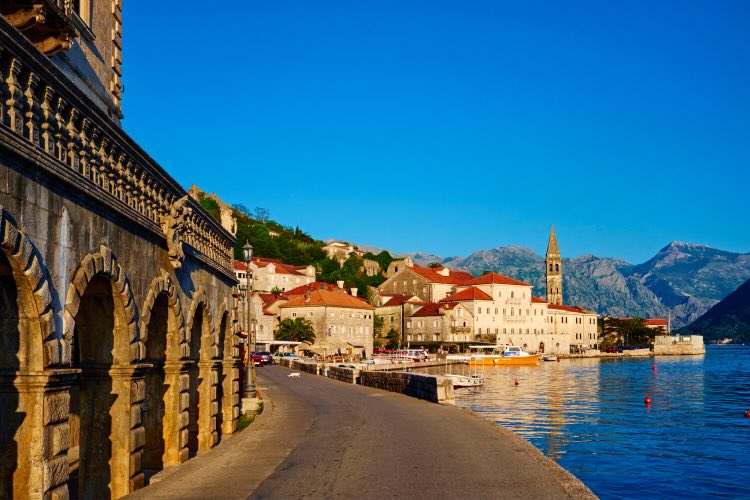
(103, 264)
(163, 284)
(43, 348)
(162, 332)
(29, 343)
(203, 375)
(100, 323)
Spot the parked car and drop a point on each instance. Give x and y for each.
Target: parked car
(278, 356)
(614, 348)
(257, 358)
(267, 358)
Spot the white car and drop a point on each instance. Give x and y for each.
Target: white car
(278, 356)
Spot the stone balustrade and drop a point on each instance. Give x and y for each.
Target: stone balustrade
(47, 120)
(348, 375)
(432, 388)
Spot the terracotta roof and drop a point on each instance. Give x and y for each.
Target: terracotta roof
(453, 278)
(496, 279)
(281, 268)
(318, 298)
(655, 322)
(239, 266)
(315, 285)
(397, 299)
(569, 309)
(470, 293)
(537, 300)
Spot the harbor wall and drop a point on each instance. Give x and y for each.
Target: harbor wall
(428, 387)
(677, 345)
(348, 375)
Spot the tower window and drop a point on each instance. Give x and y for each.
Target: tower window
(550, 267)
(557, 267)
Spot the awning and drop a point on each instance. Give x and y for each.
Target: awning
(358, 346)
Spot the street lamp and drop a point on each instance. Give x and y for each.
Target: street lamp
(249, 392)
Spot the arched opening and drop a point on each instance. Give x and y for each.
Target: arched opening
(199, 432)
(11, 415)
(222, 378)
(541, 347)
(160, 405)
(100, 406)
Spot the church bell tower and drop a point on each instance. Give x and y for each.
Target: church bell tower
(554, 270)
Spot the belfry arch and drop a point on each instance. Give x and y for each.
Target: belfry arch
(106, 444)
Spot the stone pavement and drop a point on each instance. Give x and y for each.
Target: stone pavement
(324, 439)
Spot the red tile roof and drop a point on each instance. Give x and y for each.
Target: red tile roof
(429, 309)
(281, 268)
(315, 285)
(537, 300)
(496, 279)
(240, 266)
(396, 299)
(470, 293)
(453, 278)
(569, 309)
(318, 298)
(655, 322)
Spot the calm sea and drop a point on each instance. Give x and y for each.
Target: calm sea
(589, 416)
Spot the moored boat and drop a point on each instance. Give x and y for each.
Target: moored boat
(502, 356)
(465, 380)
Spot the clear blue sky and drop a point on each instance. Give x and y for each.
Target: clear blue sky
(449, 127)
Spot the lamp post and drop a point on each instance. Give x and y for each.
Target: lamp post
(249, 392)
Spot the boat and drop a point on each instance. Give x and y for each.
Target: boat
(502, 356)
(465, 380)
(549, 357)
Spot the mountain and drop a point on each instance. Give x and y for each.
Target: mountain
(730, 318)
(683, 279)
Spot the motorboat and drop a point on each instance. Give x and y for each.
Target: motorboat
(549, 357)
(465, 380)
(501, 356)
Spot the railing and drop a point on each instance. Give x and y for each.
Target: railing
(46, 118)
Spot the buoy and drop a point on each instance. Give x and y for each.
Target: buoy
(647, 401)
(558, 359)
(516, 381)
(655, 368)
(747, 414)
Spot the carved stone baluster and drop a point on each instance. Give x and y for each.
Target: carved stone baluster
(73, 140)
(13, 118)
(59, 110)
(49, 124)
(32, 113)
(91, 153)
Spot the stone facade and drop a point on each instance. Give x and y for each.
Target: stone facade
(267, 275)
(118, 357)
(553, 271)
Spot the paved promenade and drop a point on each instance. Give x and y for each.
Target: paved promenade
(324, 439)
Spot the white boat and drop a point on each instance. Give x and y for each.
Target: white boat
(549, 357)
(465, 380)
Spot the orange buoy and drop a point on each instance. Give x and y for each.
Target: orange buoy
(747, 414)
(655, 368)
(516, 381)
(558, 359)
(647, 401)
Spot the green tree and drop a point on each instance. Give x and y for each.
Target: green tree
(296, 330)
(394, 341)
(627, 332)
(433, 265)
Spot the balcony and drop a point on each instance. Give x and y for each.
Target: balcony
(460, 329)
(47, 121)
(48, 24)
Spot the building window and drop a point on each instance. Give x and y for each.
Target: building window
(83, 9)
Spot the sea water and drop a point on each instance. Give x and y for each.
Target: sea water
(590, 415)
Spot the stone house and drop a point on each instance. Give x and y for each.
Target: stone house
(394, 309)
(430, 284)
(398, 264)
(269, 274)
(341, 321)
(443, 322)
(341, 250)
(573, 326)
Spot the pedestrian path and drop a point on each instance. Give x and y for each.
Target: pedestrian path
(325, 439)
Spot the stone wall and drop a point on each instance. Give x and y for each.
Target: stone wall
(677, 345)
(348, 375)
(428, 387)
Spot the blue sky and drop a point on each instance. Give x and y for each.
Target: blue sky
(449, 127)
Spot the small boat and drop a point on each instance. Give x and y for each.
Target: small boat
(502, 356)
(549, 357)
(465, 380)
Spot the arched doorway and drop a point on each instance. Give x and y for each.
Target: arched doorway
(541, 347)
(100, 406)
(161, 402)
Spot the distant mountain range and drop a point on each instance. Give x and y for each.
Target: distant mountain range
(682, 278)
(730, 318)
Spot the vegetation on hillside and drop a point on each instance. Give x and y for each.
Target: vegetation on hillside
(293, 246)
(729, 319)
(627, 332)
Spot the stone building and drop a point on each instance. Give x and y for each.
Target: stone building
(430, 284)
(341, 250)
(341, 321)
(398, 264)
(267, 275)
(574, 326)
(445, 323)
(226, 213)
(553, 271)
(394, 309)
(117, 356)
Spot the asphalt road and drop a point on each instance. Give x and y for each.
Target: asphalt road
(325, 439)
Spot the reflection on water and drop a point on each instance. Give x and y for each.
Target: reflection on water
(589, 415)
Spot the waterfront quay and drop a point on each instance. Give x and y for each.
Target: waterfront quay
(319, 438)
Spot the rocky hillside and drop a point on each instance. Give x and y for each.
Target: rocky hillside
(683, 278)
(730, 318)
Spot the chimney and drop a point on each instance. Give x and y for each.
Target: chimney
(354, 292)
(340, 284)
(307, 297)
